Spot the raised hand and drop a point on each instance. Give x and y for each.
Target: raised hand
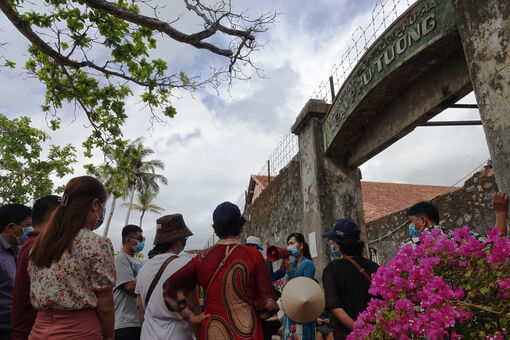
(500, 202)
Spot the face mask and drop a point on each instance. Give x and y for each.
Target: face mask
(334, 251)
(21, 239)
(413, 231)
(182, 248)
(99, 220)
(293, 250)
(139, 246)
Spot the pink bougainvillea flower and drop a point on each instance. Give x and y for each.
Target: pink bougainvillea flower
(438, 287)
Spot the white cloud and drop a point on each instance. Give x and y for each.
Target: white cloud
(215, 142)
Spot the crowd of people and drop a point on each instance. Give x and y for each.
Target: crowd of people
(60, 280)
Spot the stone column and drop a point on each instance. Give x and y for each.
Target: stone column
(484, 29)
(330, 189)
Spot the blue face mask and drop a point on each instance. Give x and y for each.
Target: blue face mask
(139, 246)
(334, 251)
(293, 250)
(21, 239)
(413, 231)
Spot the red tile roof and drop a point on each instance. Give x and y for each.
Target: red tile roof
(381, 199)
(263, 181)
(255, 187)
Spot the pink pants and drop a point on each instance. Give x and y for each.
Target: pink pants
(66, 325)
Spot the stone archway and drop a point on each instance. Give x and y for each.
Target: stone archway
(430, 57)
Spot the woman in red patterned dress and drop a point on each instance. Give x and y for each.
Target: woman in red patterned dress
(236, 283)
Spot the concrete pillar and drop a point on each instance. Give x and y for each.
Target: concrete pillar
(485, 33)
(330, 189)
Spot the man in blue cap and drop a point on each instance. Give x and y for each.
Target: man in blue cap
(346, 280)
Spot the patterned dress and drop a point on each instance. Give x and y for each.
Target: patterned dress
(293, 330)
(239, 293)
(72, 282)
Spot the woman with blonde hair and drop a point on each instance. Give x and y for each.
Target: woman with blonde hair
(71, 269)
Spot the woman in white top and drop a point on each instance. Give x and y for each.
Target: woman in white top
(158, 322)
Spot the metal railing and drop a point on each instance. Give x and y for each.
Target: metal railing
(383, 15)
(281, 155)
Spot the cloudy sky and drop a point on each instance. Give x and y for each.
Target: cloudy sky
(217, 140)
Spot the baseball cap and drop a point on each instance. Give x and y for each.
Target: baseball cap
(344, 228)
(226, 212)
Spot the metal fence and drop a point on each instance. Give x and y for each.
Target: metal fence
(383, 15)
(281, 155)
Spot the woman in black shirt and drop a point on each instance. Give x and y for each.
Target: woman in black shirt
(346, 281)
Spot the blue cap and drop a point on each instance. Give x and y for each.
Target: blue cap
(226, 212)
(344, 228)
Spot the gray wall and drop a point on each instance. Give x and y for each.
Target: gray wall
(278, 211)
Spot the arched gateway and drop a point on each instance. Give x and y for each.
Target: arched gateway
(430, 57)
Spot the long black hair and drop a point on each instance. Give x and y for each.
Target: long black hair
(350, 247)
(301, 239)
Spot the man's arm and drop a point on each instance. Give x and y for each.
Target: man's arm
(141, 311)
(129, 287)
(500, 206)
(344, 318)
(125, 274)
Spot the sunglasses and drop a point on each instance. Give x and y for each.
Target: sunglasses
(141, 238)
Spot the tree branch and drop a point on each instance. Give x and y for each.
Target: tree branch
(60, 59)
(163, 27)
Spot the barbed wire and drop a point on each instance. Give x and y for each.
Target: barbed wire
(281, 155)
(383, 15)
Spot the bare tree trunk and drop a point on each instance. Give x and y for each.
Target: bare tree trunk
(132, 194)
(141, 217)
(110, 215)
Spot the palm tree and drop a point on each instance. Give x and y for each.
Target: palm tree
(144, 199)
(132, 154)
(143, 172)
(114, 201)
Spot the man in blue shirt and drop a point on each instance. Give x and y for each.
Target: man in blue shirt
(15, 223)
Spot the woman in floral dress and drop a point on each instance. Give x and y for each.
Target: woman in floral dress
(72, 270)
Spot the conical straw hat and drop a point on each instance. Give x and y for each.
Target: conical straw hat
(302, 299)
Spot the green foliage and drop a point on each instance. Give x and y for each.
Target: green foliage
(144, 198)
(140, 171)
(94, 55)
(94, 90)
(9, 63)
(25, 173)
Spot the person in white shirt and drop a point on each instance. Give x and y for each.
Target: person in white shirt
(158, 322)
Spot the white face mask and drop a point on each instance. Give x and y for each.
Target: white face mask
(99, 220)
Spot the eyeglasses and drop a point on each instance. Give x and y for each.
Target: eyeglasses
(141, 238)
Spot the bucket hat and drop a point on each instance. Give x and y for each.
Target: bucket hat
(169, 228)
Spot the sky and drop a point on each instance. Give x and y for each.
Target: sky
(218, 139)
